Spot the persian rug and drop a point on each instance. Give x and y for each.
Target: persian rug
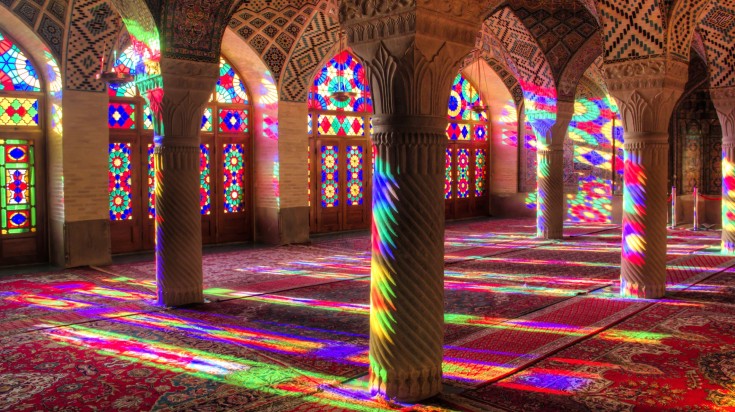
(674, 357)
(72, 296)
(502, 349)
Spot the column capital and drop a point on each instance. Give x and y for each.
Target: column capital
(646, 91)
(724, 100)
(177, 96)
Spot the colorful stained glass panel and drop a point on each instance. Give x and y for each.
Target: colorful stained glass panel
(121, 116)
(233, 120)
(120, 182)
(207, 120)
(448, 174)
(17, 187)
(340, 125)
(230, 88)
(480, 172)
(151, 183)
(463, 173)
(234, 177)
(330, 176)
(205, 189)
(354, 176)
(480, 132)
(18, 111)
(462, 99)
(147, 117)
(17, 73)
(345, 74)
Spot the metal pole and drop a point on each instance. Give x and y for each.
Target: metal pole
(696, 214)
(673, 206)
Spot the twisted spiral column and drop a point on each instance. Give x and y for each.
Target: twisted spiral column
(728, 197)
(178, 225)
(407, 283)
(550, 180)
(643, 267)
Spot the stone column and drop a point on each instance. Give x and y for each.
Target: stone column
(412, 53)
(177, 97)
(724, 101)
(551, 203)
(646, 92)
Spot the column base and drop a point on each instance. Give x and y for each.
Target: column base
(641, 291)
(180, 297)
(406, 386)
(551, 235)
(727, 248)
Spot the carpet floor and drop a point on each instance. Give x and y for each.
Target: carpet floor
(529, 326)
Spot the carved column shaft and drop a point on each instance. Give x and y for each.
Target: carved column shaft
(407, 284)
(643, 267)
(550, 180)
(724, 102)
(550, 209)
(177, 98)
(646, 92)
(412, 53)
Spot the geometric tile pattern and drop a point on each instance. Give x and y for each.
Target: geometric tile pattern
(560, 27)
(718, 35)
(272, 28)
(530, 62)
(631, 29)
(681, 24)
(46, 18)
(312, 48)
(93, 30)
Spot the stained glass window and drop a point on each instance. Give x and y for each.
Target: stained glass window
(18, 186)
(340, 125)
(233, 120)
(330, 176)
(16, 71)
(121, 116)
(207, 120)
(448, 174)
(205, 190)
(230, 88)
(480, 172)
(234, 178)
(343, 73)
(151, 183)
(354, 175)
(467, 132)
(120, 182)
(18, 111)
(463, 173)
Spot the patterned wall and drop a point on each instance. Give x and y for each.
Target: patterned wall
(682, 21)
(93, 31)
(46, 17)
(718, 35)
(529, 61)
(631, 29)
(313, 47)
(560, 28)
(272, 28)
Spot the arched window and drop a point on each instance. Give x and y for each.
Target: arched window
(466, 180)
(224, 162)
(339, 126)
(21, 218)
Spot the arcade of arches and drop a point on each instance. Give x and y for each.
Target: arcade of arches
(468, 205)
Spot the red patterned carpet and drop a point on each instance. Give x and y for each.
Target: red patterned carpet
(530, 326)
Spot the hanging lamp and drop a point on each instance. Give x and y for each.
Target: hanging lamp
(113, 77)
(478, 107)
(342, 94)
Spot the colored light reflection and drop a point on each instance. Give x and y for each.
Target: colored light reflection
(634, 204)
(728, 204)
